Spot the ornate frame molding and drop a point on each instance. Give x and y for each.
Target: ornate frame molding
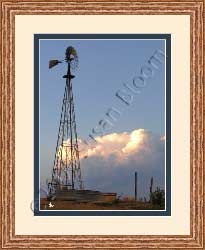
(9, 9)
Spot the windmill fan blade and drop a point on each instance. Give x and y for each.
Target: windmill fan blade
(53, 63)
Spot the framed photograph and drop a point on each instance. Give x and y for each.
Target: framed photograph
(102, 125)
(105, 169)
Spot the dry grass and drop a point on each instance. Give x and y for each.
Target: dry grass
(116, 205)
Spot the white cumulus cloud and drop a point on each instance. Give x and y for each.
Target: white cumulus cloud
(109, 165)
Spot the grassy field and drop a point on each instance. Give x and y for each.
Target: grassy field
(116, 205)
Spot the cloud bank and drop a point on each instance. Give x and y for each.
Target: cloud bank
(110, 164)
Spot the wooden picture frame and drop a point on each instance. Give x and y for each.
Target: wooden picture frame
(9, 9)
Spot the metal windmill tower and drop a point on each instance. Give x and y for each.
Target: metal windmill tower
(66, 173)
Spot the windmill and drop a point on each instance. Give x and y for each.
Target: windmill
(66, 172)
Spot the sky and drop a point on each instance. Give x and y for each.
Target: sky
(135, 141)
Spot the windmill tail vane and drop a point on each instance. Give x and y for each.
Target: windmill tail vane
(53, 63)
